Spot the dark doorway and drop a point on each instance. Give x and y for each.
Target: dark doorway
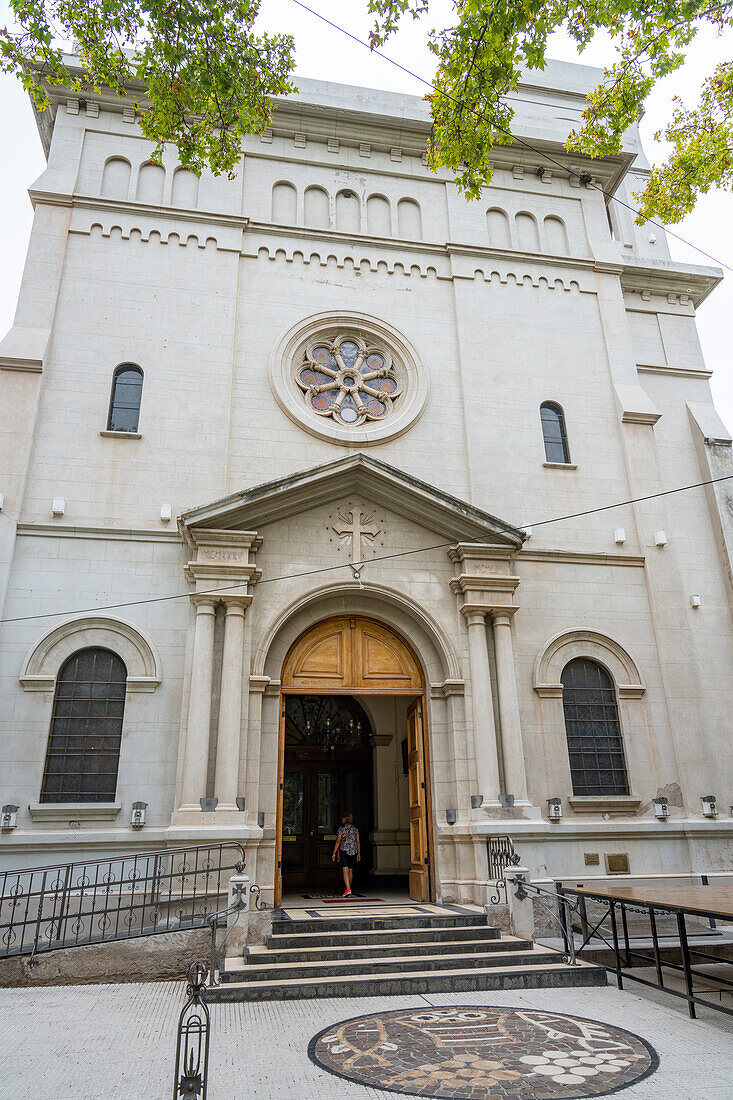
(327, 773)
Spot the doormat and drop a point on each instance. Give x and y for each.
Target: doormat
(345, 901)
(332, 900)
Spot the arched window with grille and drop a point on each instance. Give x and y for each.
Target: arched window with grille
(595, 745)
(86, 728)
(124, 405)
(554, 433)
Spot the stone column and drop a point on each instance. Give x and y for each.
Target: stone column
(484, 730)
(257, 687)
(196, 757)
(226, 780)
(515, 777)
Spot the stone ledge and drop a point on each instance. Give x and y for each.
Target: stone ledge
(74, 811)
(598, 804)
(560, 465)
(121, 435)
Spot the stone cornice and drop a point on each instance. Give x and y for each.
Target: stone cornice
(67, 531)
(580, 557)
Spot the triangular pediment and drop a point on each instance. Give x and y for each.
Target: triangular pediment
(408, 496)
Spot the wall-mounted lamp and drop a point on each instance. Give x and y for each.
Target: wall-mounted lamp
(58, 507)
(660, 538)
(476, 801)
(166, 513)
(451, 817)
(9, 818)
(661, 808)
(619, 535)
(554, 809)
(695, 601)
(208, 805)
(240, 803)
(506, 800)
(138, 816)
(261, 819)
(709, 805)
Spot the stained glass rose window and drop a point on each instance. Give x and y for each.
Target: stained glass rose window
(349, 380)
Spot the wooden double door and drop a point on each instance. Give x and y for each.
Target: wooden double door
(316, 795)
(335, 659)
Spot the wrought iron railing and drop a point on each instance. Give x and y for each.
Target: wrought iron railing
(118, 898)
(501, 855)
(603, 925)
(629, 958)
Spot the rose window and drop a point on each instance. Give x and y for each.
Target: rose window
(349, 380)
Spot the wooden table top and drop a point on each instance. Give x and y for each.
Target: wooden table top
(703, 900)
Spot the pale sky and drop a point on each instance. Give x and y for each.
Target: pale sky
(327, 54)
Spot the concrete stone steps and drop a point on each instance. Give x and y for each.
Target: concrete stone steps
(390, 983)
(378, 956)
(401, 948)
(339, 968)
(377, 923)
(327, 936)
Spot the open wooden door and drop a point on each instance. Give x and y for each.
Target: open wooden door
(416, 785)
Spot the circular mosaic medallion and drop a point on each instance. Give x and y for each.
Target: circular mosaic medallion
(476, 1053)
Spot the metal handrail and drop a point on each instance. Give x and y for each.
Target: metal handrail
(119, 897)
(626, 959)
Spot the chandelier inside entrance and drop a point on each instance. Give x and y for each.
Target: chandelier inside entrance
(325, 721)
(349, 380)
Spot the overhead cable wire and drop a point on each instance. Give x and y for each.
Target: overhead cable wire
(356, 567)
(521, 141)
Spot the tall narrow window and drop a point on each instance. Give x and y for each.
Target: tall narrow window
(124, 405)
(553, 433)
(596, 751)
(86, 729)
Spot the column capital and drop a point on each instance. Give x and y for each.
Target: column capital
(473, 615)
(236, 604)
(502, 616)
(205, 605)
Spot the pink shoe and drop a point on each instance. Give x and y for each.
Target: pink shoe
(346, 894)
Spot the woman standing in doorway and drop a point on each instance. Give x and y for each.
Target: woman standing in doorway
(348, 848)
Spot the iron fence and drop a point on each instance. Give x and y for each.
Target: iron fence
(629, 957)
(119, 898)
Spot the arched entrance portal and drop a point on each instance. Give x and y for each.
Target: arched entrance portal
(352, 738)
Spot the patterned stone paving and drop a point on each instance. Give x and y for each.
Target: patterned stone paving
(476, 1053)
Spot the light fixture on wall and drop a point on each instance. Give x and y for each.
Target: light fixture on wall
(506, 801)
(554, 809)
(138, 816)
(709, 805)
(476, 801)
(695, 601)
(451, 817)
(208, 805)
(9, 818)
(240, 802)
(660, 538)
(261, 819)
(58, 506)
(619, 536)
(661, 808)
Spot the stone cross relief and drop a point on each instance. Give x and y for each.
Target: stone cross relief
(356, 525)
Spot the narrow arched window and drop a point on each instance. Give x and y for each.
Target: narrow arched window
(553, 433)
(86, 728)
(124, 405)
(593, 730)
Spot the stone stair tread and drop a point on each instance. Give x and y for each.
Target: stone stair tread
(534, 968)
(239, 965)
(506, 943)
(406, 930)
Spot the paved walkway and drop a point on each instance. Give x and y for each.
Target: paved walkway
(96, 1041)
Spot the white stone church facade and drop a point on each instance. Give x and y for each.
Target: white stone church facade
(305, 438)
